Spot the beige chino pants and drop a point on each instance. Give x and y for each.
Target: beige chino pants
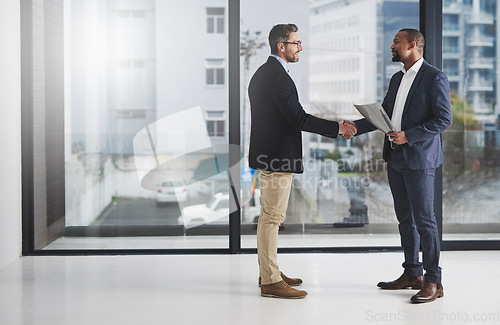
(274, 194)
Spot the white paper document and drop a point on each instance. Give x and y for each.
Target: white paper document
(376, 115)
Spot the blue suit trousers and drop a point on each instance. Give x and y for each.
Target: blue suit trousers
(413, 194)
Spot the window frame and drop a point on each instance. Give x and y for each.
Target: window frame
(221, 118)
(213, 69)
(430, 25)
(214, 21)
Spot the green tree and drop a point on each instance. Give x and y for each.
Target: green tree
(463, 115)
(334, 155)
(455, 146)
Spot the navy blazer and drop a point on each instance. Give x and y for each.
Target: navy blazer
(278, 119)
(426, 114)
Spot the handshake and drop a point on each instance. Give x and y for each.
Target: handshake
(347, 129)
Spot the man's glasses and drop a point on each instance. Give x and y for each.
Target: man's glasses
(299, 44)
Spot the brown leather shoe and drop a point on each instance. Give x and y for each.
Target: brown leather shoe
(403, 282)
(429, 293)
(290, 281)
(281, 290)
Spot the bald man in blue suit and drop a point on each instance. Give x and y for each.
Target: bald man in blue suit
(418, 103)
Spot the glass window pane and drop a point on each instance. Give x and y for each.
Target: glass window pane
(210, 77)
(346, 60)
(220, 128)
(220, 76)
(451, 22)
(210, 25)
(471, 191)
(211, 128)
(450, 45)
(220, 25)
(141, 162)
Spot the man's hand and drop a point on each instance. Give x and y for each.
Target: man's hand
(398, 137)
(347, 129)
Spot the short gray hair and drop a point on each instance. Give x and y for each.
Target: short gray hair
(280, 34)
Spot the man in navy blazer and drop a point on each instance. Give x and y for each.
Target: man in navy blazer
(418, 104)
(278, 120)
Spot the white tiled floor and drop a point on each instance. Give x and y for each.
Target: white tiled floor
(222, 289)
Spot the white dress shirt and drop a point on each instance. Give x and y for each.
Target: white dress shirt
(403, 90)
(283, 62)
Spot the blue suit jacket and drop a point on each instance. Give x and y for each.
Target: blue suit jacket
(426, 114)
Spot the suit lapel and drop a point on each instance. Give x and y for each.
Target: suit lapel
(277, 65)
(414, 85)
(393, 93)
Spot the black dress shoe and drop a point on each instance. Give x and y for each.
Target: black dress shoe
(429, 293)
(403, 282)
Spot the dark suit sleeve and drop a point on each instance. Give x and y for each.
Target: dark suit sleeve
(363, 125)
(286, 99)
(441, 110)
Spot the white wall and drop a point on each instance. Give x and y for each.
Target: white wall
(10, 132)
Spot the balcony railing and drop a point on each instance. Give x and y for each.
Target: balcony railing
(451, 71)
(481, 63)
(480, 18)
(451, 27)
(482, 109)
(451, 49)
(480, 85)
(481, 41)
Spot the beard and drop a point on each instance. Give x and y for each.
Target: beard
(396, 57)
(293, 58)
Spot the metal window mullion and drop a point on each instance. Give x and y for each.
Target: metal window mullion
(234, 120)
(27, 161)
(431, 25)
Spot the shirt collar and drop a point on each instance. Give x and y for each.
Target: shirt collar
(283, 62)
(415, 67)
